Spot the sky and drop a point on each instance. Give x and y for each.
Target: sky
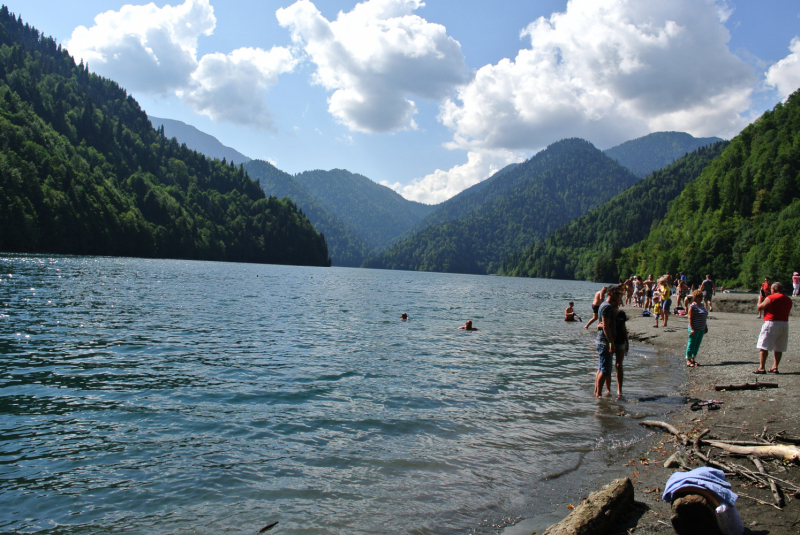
(429, 98)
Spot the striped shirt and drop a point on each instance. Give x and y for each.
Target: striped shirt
(699, 317)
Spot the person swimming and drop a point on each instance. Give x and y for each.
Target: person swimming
(468, 326)
(569, 313)
(403, 317)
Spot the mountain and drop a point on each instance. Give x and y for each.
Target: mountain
(740, 220)
(375, 213)
(524, 204)
(197, 140)
(460, 205)
(584, 247)
(82, 171)
(345, 248)
(656, 151)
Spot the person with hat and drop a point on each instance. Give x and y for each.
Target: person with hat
(796, 283)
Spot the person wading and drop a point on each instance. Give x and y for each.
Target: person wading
(606, 337)
(596, 302)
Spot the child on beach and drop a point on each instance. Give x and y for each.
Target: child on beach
(656, 307)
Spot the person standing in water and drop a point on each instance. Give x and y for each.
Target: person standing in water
(596, 302)
(467, 327)
(606, 338)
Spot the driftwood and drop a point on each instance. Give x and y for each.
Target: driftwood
(267, 528)
(746, 386)
(757, 500)
(777, 451)
(598, 512)
(667, 427)
(776, 490)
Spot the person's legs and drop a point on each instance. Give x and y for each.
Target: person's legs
(620, 375)
(603, 369)
(762, 359)
(778, 355)
(594, 317)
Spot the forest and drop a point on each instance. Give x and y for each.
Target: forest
(740, 220)
(524, 204)
(344, 246)
(586, 247)
(656, 151)
(82, 171)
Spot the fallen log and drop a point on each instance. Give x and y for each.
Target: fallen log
(788, 453)
(746, 386)
(599, 512)
(667, 427)
(776, 490)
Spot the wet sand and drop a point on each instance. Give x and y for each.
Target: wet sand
(727, 356)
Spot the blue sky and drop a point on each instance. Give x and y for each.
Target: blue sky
(430, 98)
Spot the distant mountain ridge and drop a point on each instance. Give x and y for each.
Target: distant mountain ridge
(656, 151)
(198, 140)
(344, 246)
(376, 214)
(523, 204)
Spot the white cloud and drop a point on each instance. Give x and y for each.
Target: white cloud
(785, 75)
(154, 50)
(606, 71)
(145, 48)
(441, 185)
(233, 87)
(374, 58)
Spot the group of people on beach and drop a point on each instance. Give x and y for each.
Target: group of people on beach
(656, 297)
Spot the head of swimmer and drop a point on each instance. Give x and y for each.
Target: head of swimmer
(403, 316)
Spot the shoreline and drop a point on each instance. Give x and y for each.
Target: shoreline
(727, 356)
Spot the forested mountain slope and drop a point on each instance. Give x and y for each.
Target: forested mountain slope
(345, 248)
(584, 247)
(557, 185)
(740, 220)
(198, 140)
(376, 214)
(462, 204)
(82, 171)
(655, 151)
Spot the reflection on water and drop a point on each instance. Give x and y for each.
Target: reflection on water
(149, 396)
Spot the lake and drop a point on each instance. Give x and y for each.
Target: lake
(166, 396)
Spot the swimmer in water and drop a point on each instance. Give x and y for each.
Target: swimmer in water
(403, 317)
(468, 326)
(569, 313)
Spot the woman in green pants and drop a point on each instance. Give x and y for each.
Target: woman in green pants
(698, 317)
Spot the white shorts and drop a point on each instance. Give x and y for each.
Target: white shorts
(774, 336)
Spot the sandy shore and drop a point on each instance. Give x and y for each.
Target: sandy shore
(727, 356)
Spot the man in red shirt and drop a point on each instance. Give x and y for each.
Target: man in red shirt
(775, 332)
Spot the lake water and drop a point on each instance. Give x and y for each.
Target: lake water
(161, 396)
